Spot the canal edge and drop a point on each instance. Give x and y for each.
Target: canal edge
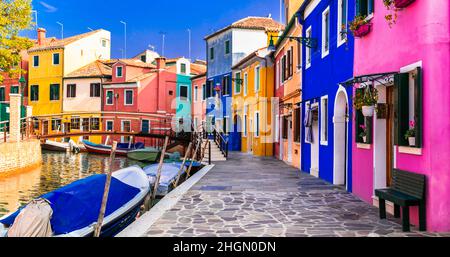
(139, 227)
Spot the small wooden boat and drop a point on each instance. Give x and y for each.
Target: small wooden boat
(122, 148)
(76, 206)
(60, 146)
(147, 154)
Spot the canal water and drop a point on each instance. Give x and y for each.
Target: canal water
(58, 169)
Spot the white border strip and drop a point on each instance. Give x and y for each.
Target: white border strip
(143, 224)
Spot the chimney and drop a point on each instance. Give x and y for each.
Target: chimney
(41, 35)
(160, 63)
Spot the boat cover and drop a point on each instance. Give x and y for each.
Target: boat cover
(169, 172)
(77, 205)
(33, 220)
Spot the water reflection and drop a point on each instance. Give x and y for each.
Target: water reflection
(58, 169)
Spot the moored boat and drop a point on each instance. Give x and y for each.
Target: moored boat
(147, 154)
(75, 207)
(122, 148)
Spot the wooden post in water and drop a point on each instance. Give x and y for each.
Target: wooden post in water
(158, 173)
(98, 226)
(182, 165)
(188, 172)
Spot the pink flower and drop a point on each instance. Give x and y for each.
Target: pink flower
(363, 127)
(412, 124)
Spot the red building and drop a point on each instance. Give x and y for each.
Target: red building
(12, 85)
(139, 87)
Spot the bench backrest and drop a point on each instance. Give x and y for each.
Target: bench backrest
(409, 183)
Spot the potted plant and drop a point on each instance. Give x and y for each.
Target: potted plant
(366, 101)
(410, 134)
(363, 133)
(360, 26)
(393, 6)
(217, 88)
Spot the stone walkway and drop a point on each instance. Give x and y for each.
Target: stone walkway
(250, 196)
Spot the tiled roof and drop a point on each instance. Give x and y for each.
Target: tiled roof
(95, 69)
(197, 68)
(257, 23)
(136, 63)
(199, 76)
(261, 53)
(53, 43)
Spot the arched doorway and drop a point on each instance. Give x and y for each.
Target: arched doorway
(341, 130)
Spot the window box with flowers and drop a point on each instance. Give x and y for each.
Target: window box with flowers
(360, 26)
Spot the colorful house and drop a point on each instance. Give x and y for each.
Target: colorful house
(138, 87)
(252, 102)
(82, 98)
(327, 60)
(11, 85)
(288, 88)
(198, 83)
(225, 48)
(411, 78)
(52, 59)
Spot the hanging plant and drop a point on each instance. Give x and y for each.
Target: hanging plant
(360, 26)
(217, 88)
(391, 17)
(366, 100)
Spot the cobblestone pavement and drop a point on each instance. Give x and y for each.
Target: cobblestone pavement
(250, 196)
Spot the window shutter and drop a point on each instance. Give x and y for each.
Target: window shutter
(401, 106)
(418, 106)
(358, 10)
(359, 119)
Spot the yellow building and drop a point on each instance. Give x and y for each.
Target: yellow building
(253, 89)
(51, 60)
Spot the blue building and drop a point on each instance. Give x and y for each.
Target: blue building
(225, 48)
(326, 105)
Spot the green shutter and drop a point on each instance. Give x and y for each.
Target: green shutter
(401, 108)
(359, 119)
(418, 106)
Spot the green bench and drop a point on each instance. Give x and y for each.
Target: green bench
(408, 189)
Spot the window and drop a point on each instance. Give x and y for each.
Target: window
(297, 124)
(34, 93)
(324, 120)
(56, 124)
(143, 58)
(109, 97)
(308, 50)
(2, 94)
(278, 79)
(95, 123)
(195, 93)
(204, 92)
(245, 120)
(283, 69)
(277, 128)
(184, 91)
(54, 92)
(245, 84)
(95, 90)
(56, 59)
(364, 7)
(209, 88)
(342, 22)
(226, 85)
(326, 32)
(226, 121)
(307, 108)
(75, 123)
(408, 106)
(109, 125)
(291, 61)
(183, 68)
(145, 126)
(256, 124)
(257, 78)
(128, 97)
(227, 47)
(299, 56)
(71, 90)
(288, 65)
(85, 124)
(237, 83)
(119, 71)
(211, 53)
(360, 120)
(104, 42)
(36, 61)
(285, 125)
(14, 90)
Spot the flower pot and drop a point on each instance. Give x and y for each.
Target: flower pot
(362, 30)
(402, 3)
(412, 141)
(368, 110)
(365, 139)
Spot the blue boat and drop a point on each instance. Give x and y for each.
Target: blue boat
(76, 206)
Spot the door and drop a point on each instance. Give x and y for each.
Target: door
(280, 136)
(389, 134)
(315, 143)
(126, 127)
(289, 153)
(250, 136)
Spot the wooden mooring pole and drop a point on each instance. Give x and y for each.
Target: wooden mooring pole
(188, 172)
(158, 176)
(98, 226)
(182, 165)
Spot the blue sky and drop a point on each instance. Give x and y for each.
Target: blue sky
(146, 19)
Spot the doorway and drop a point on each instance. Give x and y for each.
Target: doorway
(250, 137)
(340, 121)
(389, 134)
(314, 170)
(289, 150)
(126, 127)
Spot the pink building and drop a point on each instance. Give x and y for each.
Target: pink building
(409, 66)
(198, 83)
(138, 87)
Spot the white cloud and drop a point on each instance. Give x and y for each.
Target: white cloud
(49, 8)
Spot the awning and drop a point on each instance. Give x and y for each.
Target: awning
(382, 78)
